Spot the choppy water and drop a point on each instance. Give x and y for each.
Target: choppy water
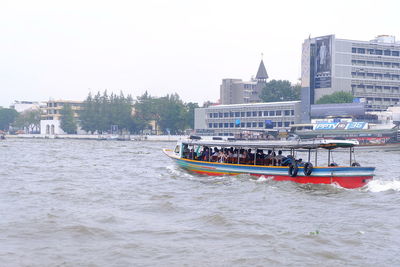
(105, 203)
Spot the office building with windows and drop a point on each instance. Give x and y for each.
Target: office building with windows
(236, 91)
(370, 70)
(228, 120)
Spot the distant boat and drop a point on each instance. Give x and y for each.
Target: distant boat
(187, 155)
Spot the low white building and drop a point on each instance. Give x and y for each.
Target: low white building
(228, 120)
(50, 127)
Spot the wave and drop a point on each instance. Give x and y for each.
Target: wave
(383, 185)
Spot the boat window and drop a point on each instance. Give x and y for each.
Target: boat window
(177, 148)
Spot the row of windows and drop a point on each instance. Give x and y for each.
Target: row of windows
(248, 124)
(370, 75)
(382, 100)
(377, 89)
(249, 86)
(373, 51)
(251, 114)
(373, 63)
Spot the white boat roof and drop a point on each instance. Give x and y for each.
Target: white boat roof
(311, 144)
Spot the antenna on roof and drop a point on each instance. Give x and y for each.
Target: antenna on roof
(262, 55)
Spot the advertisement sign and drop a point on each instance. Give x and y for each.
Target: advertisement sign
(357, 126)
(325, 126)
(341, 126)
(323, 62)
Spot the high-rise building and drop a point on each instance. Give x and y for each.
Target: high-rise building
(370, 70)
(236, 91)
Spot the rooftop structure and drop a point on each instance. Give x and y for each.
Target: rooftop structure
(236, 91)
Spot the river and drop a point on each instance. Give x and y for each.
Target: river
(110, 203)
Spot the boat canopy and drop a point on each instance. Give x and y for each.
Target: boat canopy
(311, 144)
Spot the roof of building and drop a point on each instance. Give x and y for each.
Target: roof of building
(261, 104)
(262, 72)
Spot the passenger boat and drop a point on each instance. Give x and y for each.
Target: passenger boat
(187, 155)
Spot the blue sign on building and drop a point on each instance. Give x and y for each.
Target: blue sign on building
(356, 125)
(326, 126)
(268, 124)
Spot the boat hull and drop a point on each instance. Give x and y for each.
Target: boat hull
(347, 177)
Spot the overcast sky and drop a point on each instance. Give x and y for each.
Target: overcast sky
(64, 49)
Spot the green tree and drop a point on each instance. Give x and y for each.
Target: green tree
(280, 90)
(29, 120)
(170, 113)
(100, 112)
(68, 123)
(88, 114)
(189, 116)
(337, 97)
(7, 117)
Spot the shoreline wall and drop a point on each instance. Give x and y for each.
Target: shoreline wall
(103, 137)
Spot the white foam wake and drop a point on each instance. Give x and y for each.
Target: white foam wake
(382, 185)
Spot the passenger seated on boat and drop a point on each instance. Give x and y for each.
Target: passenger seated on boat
(243, 156)
(214, 156)
(216, 151)
(279, 158)
(206, 154)
(268, 158)
(222, 156)
(229, 156)
(260, 157)
(250, 155)
(333, 164)
(191, 154)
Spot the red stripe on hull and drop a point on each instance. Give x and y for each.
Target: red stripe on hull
(346, 182)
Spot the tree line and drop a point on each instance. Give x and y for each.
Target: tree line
(116, 113)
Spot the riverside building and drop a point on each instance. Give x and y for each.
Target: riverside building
(51, 116)
(370, 70)
(236, 91)
(228, 120)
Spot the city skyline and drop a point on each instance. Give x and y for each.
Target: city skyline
(64, 50)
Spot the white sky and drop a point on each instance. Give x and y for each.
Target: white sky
(64, 49)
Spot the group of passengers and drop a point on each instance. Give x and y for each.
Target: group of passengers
(242, 156)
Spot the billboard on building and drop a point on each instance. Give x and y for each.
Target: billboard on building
(323, 62)
(341, 126)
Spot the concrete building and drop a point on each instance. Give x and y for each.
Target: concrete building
(370, 70)
(228, 120)
(51, 116)
(236, 91)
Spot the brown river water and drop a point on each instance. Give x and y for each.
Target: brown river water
(110, 203)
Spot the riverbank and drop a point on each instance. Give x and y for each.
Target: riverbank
(172, 138)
